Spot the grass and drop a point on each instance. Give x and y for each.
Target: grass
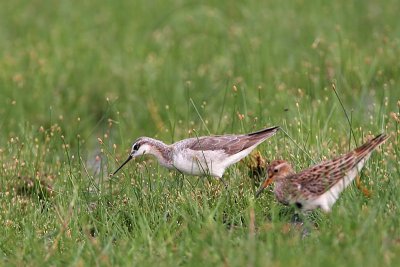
(80, 80)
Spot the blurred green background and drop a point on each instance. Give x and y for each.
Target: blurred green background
(75, 71)
(66, 58)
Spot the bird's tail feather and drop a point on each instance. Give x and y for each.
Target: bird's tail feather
(370, 145)
(267, 131)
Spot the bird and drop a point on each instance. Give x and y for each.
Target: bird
(200, 156)
(318, 186)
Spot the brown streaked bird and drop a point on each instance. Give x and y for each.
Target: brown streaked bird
(320, 185)
(206, 155)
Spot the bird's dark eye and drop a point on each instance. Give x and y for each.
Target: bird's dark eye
(275, 170)
(136, 147)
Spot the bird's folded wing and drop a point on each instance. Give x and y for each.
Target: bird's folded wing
(320, 178)
(229, 144)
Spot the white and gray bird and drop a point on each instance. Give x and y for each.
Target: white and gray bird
(206, 155)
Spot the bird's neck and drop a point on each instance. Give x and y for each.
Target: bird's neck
(282, 185)
(281, 191)
(161, 151)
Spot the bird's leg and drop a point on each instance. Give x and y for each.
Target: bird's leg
(300, 221)
(191, 185)
(182, 181)
(305, 232)
(183, 178)
(296, 219)
(223, 182)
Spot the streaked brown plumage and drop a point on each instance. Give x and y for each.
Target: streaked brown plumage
(320, 185)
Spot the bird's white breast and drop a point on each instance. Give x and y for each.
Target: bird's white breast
(195, 162)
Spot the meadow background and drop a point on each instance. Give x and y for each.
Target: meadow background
(81, 80)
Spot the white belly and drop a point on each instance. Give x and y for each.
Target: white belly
(211, 163)
(199, 163)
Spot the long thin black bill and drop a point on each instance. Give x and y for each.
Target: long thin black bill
(122, 165)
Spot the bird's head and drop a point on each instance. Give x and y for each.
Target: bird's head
(140, 147)
(277, 170)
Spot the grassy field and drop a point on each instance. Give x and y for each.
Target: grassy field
(81, 80)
